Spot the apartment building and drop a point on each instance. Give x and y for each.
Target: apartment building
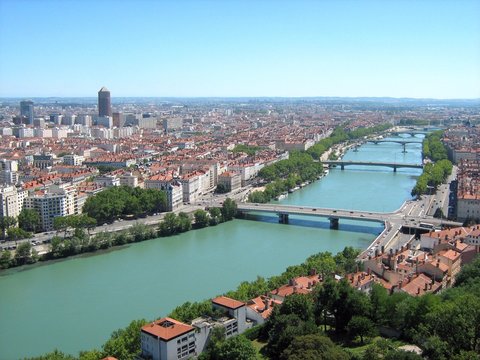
(9, 205)
(230, 181)
(53, 202)
(172, 188)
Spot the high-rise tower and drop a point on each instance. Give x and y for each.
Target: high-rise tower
(26, 110)
(104, 105)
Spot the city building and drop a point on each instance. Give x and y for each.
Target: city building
(230, 181)
(73, 160)
(9, 201)
(52, 202)
(104, 104)
(8, 172)
(27, 111)
(168, 339)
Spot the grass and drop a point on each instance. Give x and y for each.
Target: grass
(258, 346)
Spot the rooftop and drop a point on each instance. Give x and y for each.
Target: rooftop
(167, 328)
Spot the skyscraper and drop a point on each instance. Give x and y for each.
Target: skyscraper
(26, 111)
(104, 105)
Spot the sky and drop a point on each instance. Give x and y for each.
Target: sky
(244, 48)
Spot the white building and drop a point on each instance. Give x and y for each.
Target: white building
(43, 133)
(73, 160)
(8, 172)
(25, 132)
(51, 203)
(128, 179)
(59, 133)
(168, 339)
(172, 188)
(9, 201)
(83, 119)
(107, 180)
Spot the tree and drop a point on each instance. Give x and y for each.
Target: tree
(378, 300)
(469, 273)
(29, 220)
(282, 329)
(361, 326)
(5, 259)
(236, 348)
(169, 225)
(54, 355)
(201, 218)
(23, 253)
(327, 295)
(15, 234)
(229, 209)
(184, 222)
(221, 189)
(298, 304)
(125, 343)
(311, 347)
(5, 223)
(215, 216)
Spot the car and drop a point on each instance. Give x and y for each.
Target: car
(314, 209)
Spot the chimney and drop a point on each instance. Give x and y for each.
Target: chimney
(266, 304)
(425, 288)
(418, 290)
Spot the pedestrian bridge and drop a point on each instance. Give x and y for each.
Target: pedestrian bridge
(395, 166)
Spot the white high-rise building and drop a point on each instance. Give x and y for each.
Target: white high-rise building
(9, 201)
(51, 203)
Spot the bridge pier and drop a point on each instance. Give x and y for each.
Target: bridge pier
(283, 218)
(404, 147)
(394, 169)
(333, 223)
(342, 167)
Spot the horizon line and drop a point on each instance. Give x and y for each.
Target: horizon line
(243, 97)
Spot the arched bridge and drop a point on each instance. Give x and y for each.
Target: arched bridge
(395, 166)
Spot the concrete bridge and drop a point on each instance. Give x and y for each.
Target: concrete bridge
(335, 215)
(402, 142)
(395, 166)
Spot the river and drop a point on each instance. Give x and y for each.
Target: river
(75, 304)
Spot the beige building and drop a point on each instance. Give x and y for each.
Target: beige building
(53, 202)
(9, 205)
(231, 181)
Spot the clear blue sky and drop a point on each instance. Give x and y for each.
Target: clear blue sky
(410, 48)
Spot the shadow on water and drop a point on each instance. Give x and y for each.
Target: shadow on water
(319, 223)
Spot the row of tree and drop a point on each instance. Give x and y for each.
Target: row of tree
(432, 176)
(174, 224)
(121, 201)
(285, 175)
(340, 135)
(76, 238)
(433, 148)
(28, 221)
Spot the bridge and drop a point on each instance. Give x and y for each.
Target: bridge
(395, 166)
(397, 217)
(402, 142)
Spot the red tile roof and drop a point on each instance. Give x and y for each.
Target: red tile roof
(167, 328)
(227, 302)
